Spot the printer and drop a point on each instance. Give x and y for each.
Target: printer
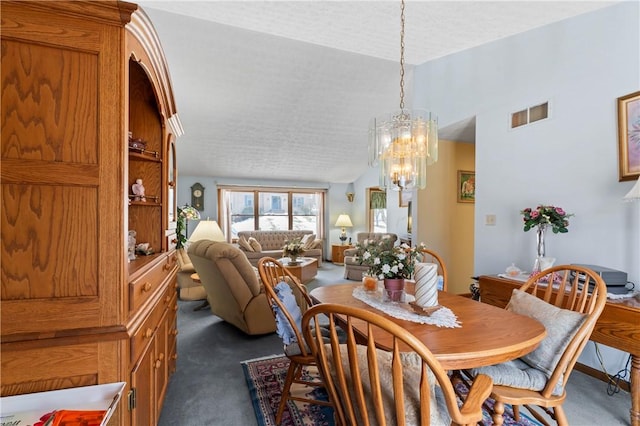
(615, 280)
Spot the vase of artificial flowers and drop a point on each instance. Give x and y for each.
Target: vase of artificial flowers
(541, 218)
(292, 249)
(390, 263)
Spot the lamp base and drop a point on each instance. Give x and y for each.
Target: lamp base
(343, 238)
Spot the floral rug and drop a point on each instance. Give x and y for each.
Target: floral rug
(265, 377)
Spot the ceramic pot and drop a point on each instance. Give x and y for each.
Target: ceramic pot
(394, 289)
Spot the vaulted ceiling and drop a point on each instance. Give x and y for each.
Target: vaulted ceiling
(284, 90)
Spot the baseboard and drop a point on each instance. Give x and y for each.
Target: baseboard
(590, 371)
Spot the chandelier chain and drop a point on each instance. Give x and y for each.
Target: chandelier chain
(402, 56)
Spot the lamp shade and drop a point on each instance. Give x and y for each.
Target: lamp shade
(344, 220)
(207, 230)
(634, 194)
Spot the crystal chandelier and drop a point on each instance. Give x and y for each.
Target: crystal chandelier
(405, 142)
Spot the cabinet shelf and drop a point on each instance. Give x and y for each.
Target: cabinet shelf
(145, 203)
(145, 156)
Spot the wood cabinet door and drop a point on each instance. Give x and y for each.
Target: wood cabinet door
(142, 381)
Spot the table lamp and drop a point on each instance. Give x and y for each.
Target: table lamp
(207, 230)
(343, 221)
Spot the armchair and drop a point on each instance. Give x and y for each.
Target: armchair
(233, 289)
(352, 268)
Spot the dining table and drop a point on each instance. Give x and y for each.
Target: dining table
(486, 334)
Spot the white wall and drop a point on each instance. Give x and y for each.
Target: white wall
(580, 66)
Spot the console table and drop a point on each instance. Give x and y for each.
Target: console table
(617, 327)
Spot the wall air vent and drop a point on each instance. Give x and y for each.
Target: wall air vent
(530, 115)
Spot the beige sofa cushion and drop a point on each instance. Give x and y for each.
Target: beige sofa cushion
(255, 245)
(245, 245)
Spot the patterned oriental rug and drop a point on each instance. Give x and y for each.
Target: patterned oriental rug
(265, 377)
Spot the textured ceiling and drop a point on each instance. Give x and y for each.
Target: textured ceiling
(285, 90)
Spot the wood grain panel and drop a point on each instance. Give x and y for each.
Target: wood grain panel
(49, 104)
(145, 220)
(40, 259)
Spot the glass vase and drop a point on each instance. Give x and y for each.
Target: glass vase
(540, 248)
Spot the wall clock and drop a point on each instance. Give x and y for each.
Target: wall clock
(197, 196)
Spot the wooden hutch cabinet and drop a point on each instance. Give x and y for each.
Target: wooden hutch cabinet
(79, 80)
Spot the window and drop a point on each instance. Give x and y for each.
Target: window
(277, 209)
(377, 210)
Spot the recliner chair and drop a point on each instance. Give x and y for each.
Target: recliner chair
(233, 289)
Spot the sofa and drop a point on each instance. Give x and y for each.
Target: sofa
(188, 289)
(259, 244)
(352, 268)
(234, 291)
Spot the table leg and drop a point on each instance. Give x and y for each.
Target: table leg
(635, 390)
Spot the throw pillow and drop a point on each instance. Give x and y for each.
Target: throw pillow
(244, 244)
(307, 241)
(411, 365)
(255, 245)
(561, 325)
(283, 326)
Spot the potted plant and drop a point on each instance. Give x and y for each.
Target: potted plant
(390, 263)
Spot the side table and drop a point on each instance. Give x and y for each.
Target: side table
(337, 252)
(195, 277)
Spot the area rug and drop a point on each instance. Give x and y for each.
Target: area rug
(265, 378)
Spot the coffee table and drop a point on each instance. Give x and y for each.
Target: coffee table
(305, 270)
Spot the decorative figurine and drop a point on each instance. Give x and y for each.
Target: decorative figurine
(138, 191)
(132, 246)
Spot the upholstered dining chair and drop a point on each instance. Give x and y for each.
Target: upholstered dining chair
(289, 300)
(433, 257)
(373, 386)
(569, 309)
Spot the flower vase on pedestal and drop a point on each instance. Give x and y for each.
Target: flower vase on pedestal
(293, 259)
(393, 289)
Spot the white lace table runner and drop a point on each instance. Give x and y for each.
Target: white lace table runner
(443, 317)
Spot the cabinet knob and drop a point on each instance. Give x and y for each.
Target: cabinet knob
(174, 241)
(175, 307)
(148, 333)
(167, 299)
(174, 332)
(166, 267)
(158, 364)
(147, 286)
(175, 357)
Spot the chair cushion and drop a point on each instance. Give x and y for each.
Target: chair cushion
(283, 327)
(244, 244)
(412, 364)
(561, 325)
(517, 374)
(255, 245)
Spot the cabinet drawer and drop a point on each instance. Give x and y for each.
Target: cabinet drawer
(146, 285)
(144, 334)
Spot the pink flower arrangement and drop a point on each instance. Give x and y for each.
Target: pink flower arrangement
(543, 215)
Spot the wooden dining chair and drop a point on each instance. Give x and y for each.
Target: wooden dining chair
(289, 300)
(371, 386)
(569, 309)
(433, 257)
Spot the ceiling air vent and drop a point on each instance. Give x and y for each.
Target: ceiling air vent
(530, 115)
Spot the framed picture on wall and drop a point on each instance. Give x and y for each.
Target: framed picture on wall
(466, 186)
(405, 197)
(629, 136)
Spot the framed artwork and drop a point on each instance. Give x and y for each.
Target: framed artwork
(466, 186)
(405, 197)
(629, 136)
